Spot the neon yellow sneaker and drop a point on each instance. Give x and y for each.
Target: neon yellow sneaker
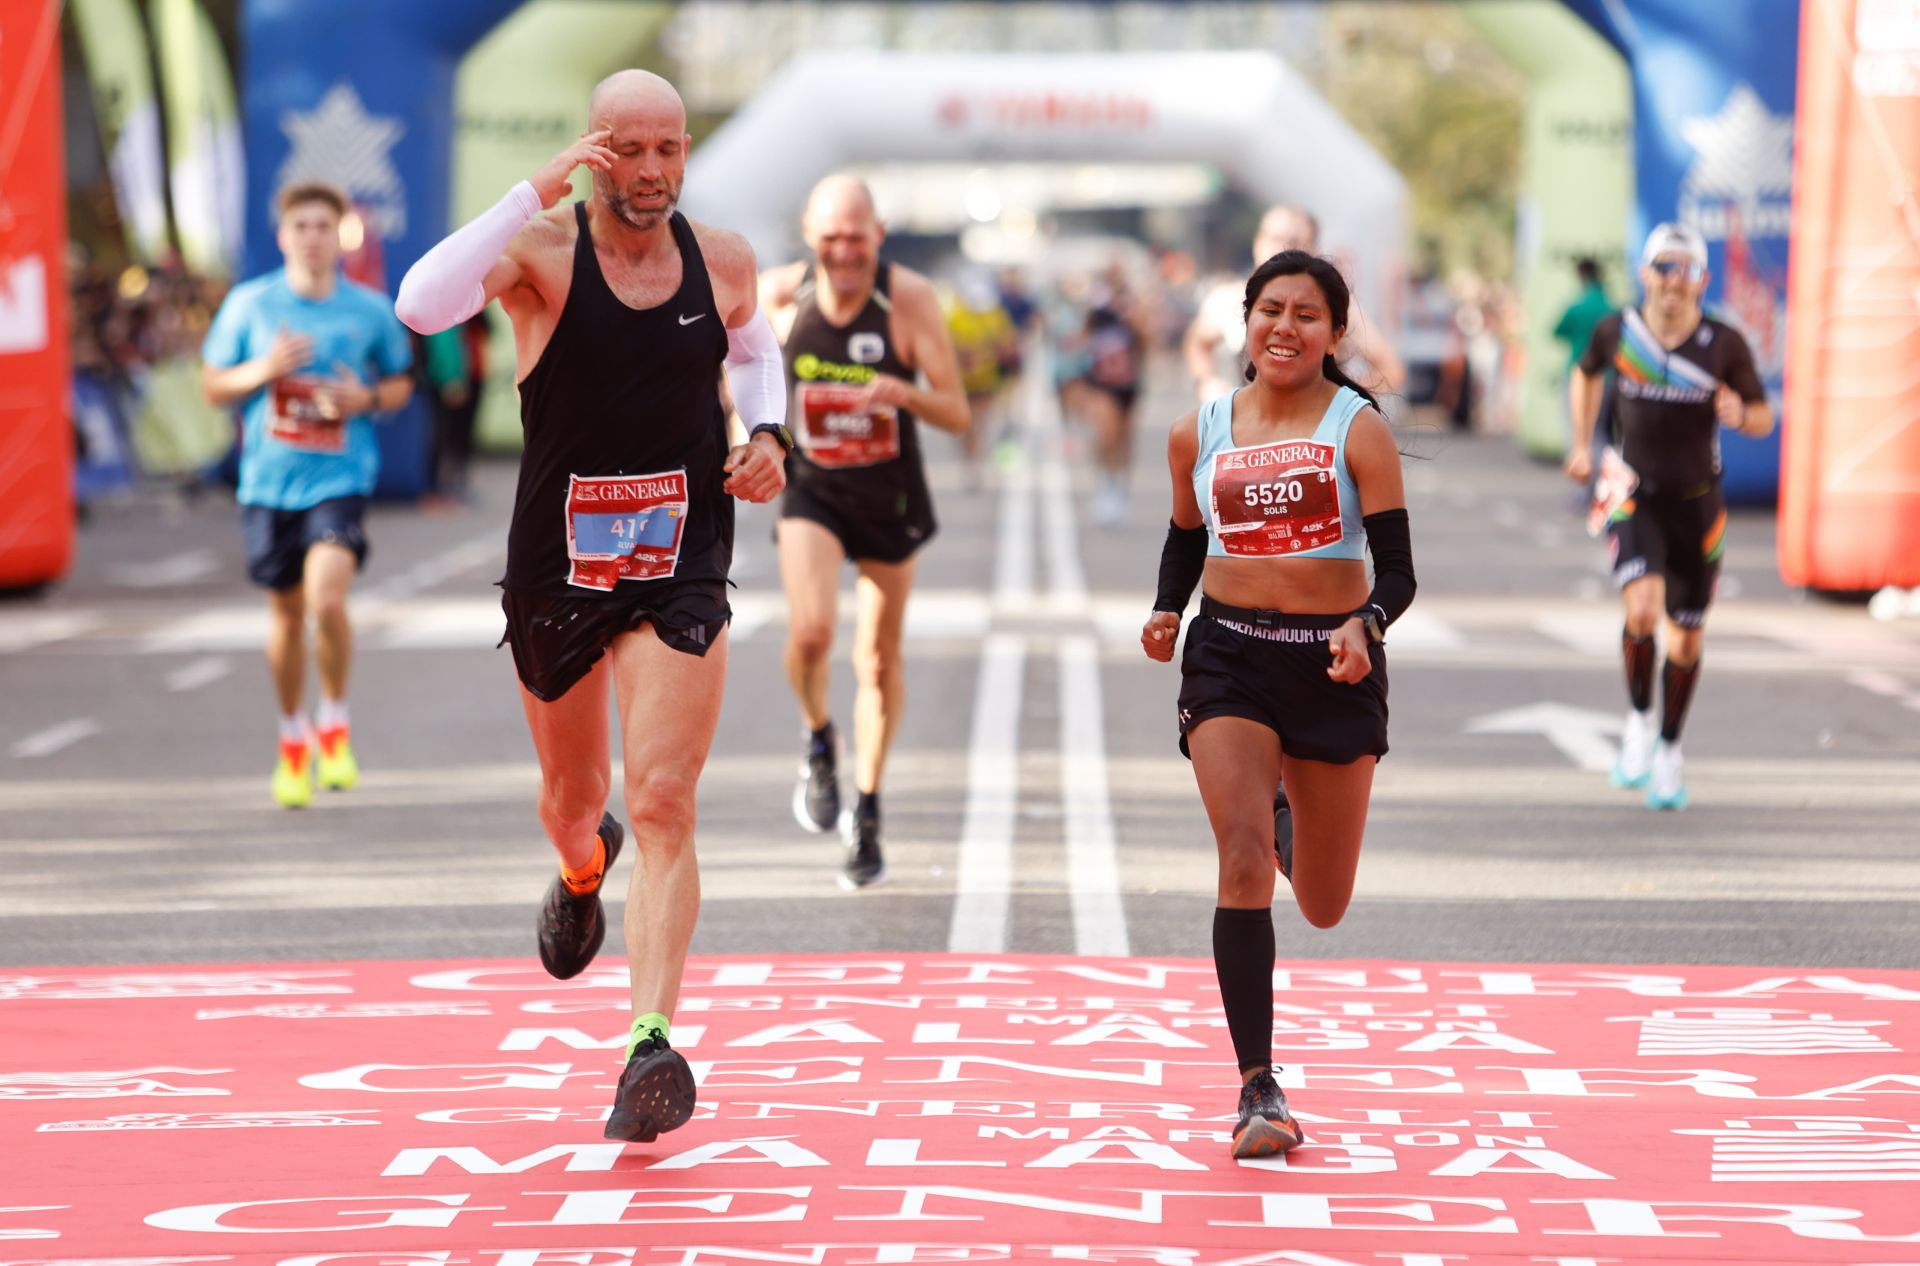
(339, 771)
(293, 776)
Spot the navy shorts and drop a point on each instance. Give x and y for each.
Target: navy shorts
(1271, 668)
(278, 540)
(557, 640)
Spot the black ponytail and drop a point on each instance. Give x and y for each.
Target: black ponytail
(1339, 299)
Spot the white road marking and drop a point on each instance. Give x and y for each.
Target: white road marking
(1013, 546)
(201, 672)
(1424, 631)
(25, 630)
(1582, 735)
(984, 882)
(55, 738)
(1589, 632)
(183, 568)
(1093, 864)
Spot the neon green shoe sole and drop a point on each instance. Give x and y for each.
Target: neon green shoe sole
(292, 784)
(340, 771)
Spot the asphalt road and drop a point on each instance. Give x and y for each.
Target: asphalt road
(1037, 801)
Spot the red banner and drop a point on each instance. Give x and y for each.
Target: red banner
(864, 1109)
(1850, 468)
(36, 437)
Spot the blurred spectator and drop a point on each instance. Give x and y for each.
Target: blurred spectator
(1575, 326)
(986, 343)
(453, 366)
(138, 409)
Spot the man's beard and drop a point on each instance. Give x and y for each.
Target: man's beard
(621, 205)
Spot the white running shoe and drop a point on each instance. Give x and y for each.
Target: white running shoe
(1667, 788)
(1636, 750)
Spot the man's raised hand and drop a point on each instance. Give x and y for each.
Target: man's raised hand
(554, 180)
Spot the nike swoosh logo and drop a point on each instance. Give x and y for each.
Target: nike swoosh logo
(689, 320)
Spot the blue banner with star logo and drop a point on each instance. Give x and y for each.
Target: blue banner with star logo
(1714, 85)
(359, 93)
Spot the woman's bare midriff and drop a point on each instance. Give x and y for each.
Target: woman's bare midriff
(1300, 586)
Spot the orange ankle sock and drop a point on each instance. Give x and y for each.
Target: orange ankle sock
(585, 879)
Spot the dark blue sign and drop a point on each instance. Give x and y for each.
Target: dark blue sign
(360, 93)
(1713, 98)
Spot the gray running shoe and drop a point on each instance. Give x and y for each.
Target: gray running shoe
(864, 867)
(1266, 1128)
(1283, 833)
(816, 793)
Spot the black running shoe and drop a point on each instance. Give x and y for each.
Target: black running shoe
(864, 867)
(1283, 833)
(656, 1093)
(1266, 1128)
(572, 927)
(816, 793)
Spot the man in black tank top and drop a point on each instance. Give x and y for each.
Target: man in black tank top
(624, 314)
(857, 332)
(1678, 376)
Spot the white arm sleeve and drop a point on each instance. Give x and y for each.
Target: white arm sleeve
(448, 284)
(755, 373)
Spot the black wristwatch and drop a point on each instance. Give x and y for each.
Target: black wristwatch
(779, 432)
(1374, 619)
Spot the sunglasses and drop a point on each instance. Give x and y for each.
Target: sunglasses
(1684, 267)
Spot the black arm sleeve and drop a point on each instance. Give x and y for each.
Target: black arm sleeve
(1182, 559)
(1390, 539)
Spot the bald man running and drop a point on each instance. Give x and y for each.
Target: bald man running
(1215, 344)
(859, 335)
(624, 312)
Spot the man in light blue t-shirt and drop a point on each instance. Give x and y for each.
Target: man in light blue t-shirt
(309, 356)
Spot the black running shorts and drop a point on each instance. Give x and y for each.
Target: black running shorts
(557, 640)
(277, 541)
(882, 533)
(1680, 538)
(1271, 668)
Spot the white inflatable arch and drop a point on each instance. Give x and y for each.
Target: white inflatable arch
(1247, 113)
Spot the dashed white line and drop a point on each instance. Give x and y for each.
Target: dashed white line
(55, 738)
(984, 883)
(20, 632)
(200, 672)
(1093, 864)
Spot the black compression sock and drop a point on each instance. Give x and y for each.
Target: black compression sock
(1676, 693)
(1638, 652)
(1243, 962)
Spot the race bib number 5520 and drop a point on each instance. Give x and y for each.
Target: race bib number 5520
(624, 527)
(1275, 499)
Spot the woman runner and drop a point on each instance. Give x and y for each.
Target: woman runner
(1279, 490)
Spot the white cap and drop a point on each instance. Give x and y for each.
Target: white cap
(1675, 239)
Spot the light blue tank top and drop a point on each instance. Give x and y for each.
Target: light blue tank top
(1286, 499)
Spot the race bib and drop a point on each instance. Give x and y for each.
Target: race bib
(1275, 499)
(838, 431)
(294, 418)
(624, 527)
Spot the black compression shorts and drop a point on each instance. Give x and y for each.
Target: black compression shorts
(884, 535)
(557, 640)
(1679, 538)
(1271, 668)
